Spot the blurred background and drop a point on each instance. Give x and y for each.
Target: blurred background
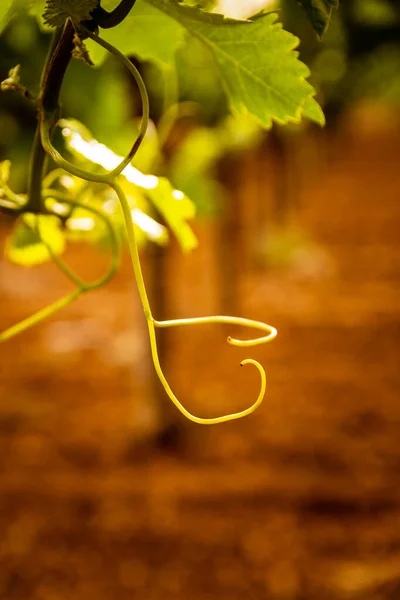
(106, 491)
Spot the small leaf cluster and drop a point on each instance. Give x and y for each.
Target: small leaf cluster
(260, 71)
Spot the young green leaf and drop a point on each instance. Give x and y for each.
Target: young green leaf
(319, 13)
(27, 248)
(258, 64)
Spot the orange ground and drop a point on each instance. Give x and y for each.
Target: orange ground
(300, 501)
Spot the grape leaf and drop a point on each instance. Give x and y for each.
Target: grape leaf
(25, 247)
(257, 61)
(319, 13)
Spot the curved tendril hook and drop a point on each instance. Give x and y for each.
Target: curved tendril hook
(152, 324)
(82, 286)
(271, 331)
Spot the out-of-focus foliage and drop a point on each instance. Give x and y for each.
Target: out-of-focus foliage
(376, 76)
(193, 165)
(8, 9)
(145, 193)
(29, 241)
(375, 12)
(359, 55)
(170, 203)
(329, 63)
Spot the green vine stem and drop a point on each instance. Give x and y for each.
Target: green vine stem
(56, 64)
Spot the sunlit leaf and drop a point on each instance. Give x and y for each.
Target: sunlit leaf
(26, 247)
(172, 204)
(313, 111)
(175, 208)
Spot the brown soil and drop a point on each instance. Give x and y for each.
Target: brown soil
(301, 501)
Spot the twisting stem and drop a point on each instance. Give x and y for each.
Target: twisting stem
(143, 94)
(56, 67)
(36, 170)
(108, 177)
(58, 59)
(106, 20)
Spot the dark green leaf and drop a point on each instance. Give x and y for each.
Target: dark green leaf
(320, 13)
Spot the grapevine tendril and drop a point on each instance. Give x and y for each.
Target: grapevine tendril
(111, 179)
